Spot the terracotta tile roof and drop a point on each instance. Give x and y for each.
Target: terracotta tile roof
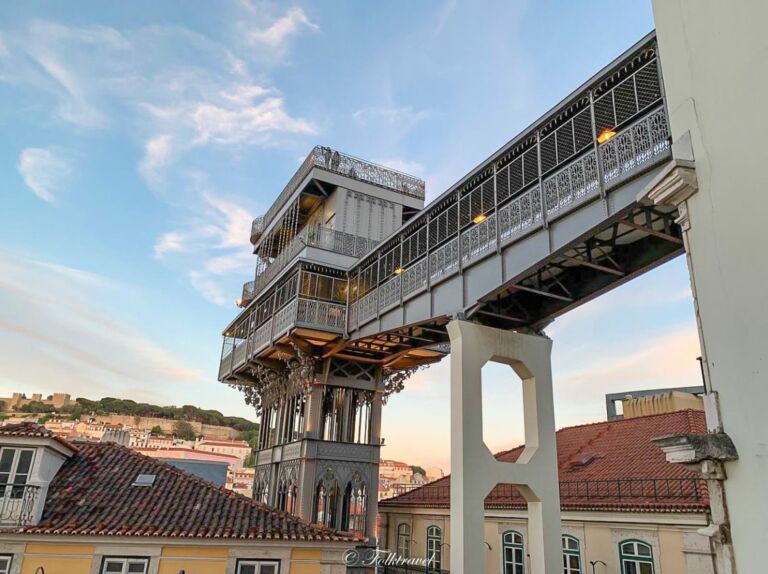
(602, 466)
(33, 430)
(92, 494)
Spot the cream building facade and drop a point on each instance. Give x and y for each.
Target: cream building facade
(624, 508)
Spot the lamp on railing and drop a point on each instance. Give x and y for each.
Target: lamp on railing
(479, 218)
(605, 135)
(398, 271)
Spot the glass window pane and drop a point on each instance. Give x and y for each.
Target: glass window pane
(643, 550)
(267, 569)
(137, 567)
(246, 569)
(25, 462)
(646, 568)
(5, 564)
(113, 566)
(630, 567)
(6, 460)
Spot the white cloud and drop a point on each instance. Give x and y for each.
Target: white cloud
(281, 29)
(44, 171)
(213, 241)
(208, 288)
(254, 123)
(72, 339)
(157, 154)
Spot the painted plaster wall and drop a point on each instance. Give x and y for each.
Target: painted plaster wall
(713, 56)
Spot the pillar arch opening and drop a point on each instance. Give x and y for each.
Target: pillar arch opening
(503, 417)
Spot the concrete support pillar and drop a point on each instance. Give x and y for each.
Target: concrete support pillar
(474, 470)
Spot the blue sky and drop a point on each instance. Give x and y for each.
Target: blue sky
(139, 139)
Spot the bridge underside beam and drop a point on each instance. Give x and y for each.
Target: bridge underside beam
(626, 245)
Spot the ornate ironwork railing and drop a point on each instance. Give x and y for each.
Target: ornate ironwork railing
(619, 489)
(348, 166)
(314, 236)
(17, 504)
(310, 313)
(636, 147)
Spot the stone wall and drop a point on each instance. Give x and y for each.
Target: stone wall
(146, 423)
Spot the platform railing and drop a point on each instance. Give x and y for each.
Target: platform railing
(301, 312)
(314, 236)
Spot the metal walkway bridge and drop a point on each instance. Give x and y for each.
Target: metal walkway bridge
(548, 222)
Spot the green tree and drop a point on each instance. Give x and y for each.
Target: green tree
(157, 430)
(418, 470)
(37, 407)
(183, 430)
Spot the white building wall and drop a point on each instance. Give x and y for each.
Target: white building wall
(713, 56)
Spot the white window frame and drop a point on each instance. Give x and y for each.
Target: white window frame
(434, 547)
(258, 564)
(567, 569)
(15, 462)
(636, 558)
(126, 562)
(6, 561)
(404, 540)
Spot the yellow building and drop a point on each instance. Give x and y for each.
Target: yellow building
(98, 508)
(624, 508)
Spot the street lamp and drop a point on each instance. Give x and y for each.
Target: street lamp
(594, 562)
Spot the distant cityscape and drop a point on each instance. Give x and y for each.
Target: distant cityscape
(218, 453)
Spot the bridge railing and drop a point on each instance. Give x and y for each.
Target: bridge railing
(610, 133)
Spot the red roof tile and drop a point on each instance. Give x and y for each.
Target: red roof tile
(92, 494)
(33, 430)
(616, 460)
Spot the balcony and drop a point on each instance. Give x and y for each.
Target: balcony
(257, 228)
(336, 162)
(300, 312)
(320, 238)
(17, 504)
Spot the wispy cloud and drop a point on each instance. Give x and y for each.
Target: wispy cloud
(72, 338)
(213, 241)
(157, 154)
(45, 171)
(176, 92)
(277, 33)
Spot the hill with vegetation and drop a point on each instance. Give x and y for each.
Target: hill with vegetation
(109, 405)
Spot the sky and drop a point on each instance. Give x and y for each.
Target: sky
(139, 139)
